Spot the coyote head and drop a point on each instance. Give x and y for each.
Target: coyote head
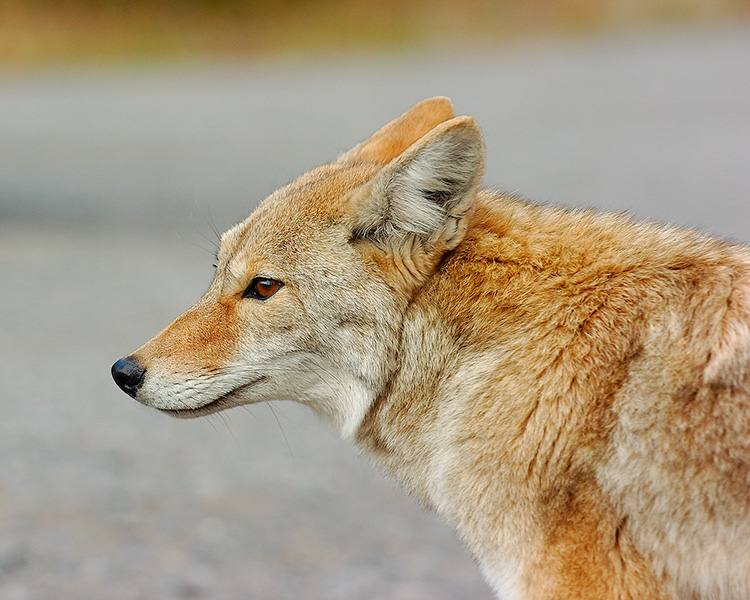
(310, 291)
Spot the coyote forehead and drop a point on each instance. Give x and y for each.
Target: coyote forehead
(286, 226)
(568, 388)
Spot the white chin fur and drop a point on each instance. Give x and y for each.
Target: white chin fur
(188, 392)
(338, 397)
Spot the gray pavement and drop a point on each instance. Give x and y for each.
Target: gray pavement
(110, 184)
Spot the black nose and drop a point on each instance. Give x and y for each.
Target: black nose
(128, 375)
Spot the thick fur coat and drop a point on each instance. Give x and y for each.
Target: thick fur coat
(570, 389)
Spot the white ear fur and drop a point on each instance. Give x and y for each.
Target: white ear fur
(426, 191)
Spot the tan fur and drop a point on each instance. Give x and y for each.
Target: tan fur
(570, 389)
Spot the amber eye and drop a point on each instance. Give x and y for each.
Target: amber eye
(262, 288)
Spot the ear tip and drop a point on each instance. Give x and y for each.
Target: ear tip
(442, 103)
(433, 111)
(466, 127)
(393, 138)
(465, 122)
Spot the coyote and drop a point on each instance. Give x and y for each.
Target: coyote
(570, 389)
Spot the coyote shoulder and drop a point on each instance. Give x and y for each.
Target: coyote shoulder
(570, 389)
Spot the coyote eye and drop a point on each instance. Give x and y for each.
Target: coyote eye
(262, 288)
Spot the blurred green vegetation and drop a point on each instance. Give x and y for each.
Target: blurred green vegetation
(34, 31)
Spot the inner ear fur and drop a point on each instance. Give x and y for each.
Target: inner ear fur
(417, 206)
(395, 137)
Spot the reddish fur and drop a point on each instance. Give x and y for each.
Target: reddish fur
(570, 389)
(208, 334)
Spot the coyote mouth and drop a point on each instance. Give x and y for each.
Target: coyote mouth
(221, 403)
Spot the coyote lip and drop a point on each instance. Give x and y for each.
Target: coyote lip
(221, 403)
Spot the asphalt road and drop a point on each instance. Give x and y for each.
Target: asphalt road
(111, 183)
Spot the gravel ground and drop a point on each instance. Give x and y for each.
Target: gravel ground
(110, 184)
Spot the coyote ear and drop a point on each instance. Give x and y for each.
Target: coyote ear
(395, 137)
(416, 208)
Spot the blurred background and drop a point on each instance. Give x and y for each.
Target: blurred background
(131, 132)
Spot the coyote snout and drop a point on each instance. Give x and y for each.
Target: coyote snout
(570, 389)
